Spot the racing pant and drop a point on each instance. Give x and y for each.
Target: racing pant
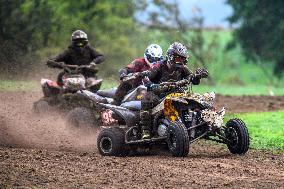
(149, 101)
(122, 90)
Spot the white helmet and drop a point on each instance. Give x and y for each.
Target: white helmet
(153, 53)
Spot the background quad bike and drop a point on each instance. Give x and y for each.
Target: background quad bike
(80, 108)
(65, 98)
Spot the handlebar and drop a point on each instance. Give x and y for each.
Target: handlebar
(70, 68)
(165, 86)
(132, 76)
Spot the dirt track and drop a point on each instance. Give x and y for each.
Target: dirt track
(40, 151)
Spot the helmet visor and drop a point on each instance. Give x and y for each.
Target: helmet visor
(180, 59)
(153, 59)
(80, 42)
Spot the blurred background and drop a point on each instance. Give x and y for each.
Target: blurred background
(241, 43)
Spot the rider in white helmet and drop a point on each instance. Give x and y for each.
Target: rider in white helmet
(153, 54)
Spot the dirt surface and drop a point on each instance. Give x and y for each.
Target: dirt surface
(40, 151)
(207, 166)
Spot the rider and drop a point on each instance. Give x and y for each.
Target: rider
(153, 54)
(173, 69)
(80, 52)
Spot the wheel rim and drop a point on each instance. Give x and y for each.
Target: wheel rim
(232, 135)
(106, 144)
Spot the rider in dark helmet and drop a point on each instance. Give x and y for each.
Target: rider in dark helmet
(80, 52)
(153, 55)
(172, 69)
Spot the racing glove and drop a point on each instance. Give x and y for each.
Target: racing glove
(93, 65)
(53, 64)
(201, 73)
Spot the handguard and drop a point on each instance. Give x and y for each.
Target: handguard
(132, 76)
(54, 64)
(166, 86)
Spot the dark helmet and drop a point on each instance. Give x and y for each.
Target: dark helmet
(177, 54)
(79, 38)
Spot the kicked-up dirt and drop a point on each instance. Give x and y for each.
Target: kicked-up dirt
(40, 151)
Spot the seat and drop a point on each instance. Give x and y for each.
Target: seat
(109, 93)
(132, 105)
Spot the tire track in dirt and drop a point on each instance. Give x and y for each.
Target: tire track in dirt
(207, 166)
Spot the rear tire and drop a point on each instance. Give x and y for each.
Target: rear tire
(41, 107)
(237, 132)
(49, 91)
(111, 142)
(178, 139)
(80, 117)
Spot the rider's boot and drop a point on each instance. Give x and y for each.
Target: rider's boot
(146, 134)
(146, 124)
(120, 93)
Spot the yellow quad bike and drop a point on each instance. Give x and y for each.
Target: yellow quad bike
(180, 119)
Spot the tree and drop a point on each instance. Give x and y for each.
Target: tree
(166, 17)
(260, 30)
(32, 27)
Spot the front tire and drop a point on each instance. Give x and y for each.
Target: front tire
(178, 139)
(237, 133)
(80, 117)
(111, 142)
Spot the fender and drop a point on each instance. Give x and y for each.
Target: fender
(130, 117)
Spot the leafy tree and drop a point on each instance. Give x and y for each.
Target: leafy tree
(165, 16)
(43, 27)
(261, 30)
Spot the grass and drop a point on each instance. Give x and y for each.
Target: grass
(266, 129)
(240, 90)
(10, 85)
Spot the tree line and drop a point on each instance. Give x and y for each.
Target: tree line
(33, 29)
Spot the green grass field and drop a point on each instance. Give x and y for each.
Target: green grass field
(266, 129)
(9, 85)
(235, 90)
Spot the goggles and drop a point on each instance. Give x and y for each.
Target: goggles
(180, 59)
(153, 59)
(80, 43)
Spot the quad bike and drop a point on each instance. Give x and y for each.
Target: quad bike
(179, 119)
(64, 96)
(92, 115)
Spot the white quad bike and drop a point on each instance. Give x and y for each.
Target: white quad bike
(93, 115)
(73, 81)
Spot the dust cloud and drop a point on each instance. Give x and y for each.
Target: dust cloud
(20, 127)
